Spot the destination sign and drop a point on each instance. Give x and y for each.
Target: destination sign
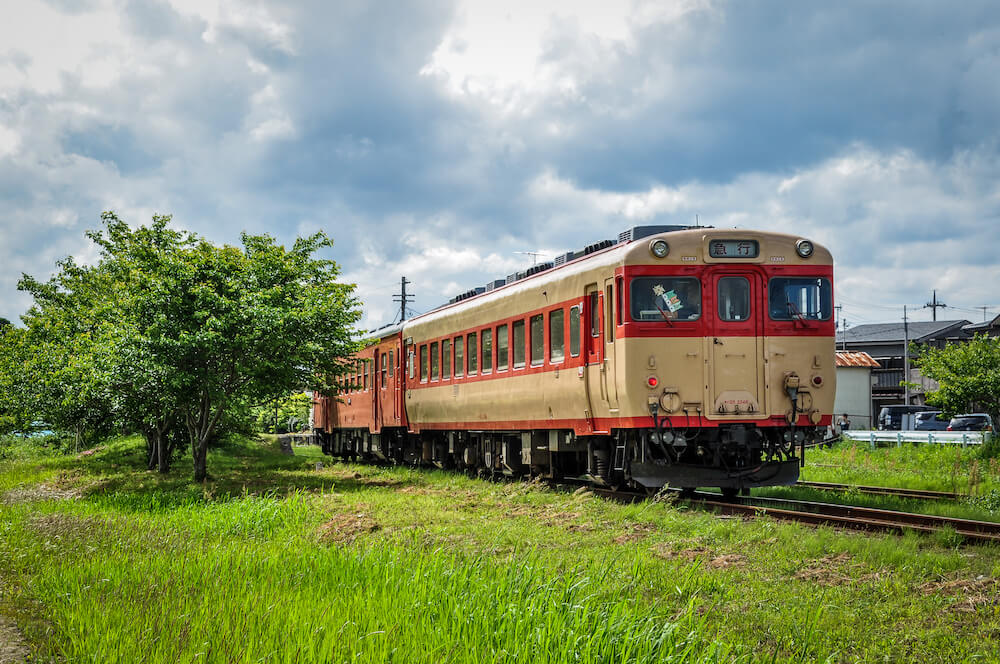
(733, 249)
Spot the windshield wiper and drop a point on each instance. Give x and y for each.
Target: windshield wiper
(664, 314)
(796, 314)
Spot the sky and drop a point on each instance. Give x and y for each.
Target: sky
(449, 141)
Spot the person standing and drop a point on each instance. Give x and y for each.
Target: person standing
(843, 423)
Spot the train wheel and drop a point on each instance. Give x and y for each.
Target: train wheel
(730, 493)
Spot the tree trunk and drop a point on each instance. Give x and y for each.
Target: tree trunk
(150, 449)
(200, 426)
(162, 454)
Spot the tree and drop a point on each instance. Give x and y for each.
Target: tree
(968, 375)
(170, 330)
(217, 326)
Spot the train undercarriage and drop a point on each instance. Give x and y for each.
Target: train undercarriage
(731, 457)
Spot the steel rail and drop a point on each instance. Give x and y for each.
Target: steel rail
(883, 491)
(851, 516)
(845, 516)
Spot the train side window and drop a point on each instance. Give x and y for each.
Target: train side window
(411, 360)
(537, 335)
(595, 314)
(487, 363)
(423, 363)
(734, 299)
(446, 359)
(619, 300)
(382, 372)
(472, 355)
(517, 341)
(574, 331)
(502, 353)
(392, 367)
(364, 375)
(459, 357)
(557, 336)
(435, 361)
(358, 386)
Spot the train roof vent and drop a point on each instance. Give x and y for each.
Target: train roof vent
(535, 269)
(511, 278)
(496, 283)
(639, 232)
(597, 246)
(564, 258)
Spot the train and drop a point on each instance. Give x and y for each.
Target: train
(675, 356)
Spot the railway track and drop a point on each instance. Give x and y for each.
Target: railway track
(842, 516)
(883, 491)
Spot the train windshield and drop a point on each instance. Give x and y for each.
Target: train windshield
(800, 298)
(659, 298)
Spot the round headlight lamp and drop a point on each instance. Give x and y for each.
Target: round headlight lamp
(660, 248)
(804, 248)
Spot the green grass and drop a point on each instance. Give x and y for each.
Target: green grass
(275, 560)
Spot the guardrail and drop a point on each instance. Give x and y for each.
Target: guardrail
(873, 438)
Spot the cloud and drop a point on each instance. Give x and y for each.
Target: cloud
(439, 139)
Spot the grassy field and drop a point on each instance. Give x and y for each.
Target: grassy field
(911, 466)
(278, 559)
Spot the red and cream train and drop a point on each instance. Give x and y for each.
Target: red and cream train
(688, 357)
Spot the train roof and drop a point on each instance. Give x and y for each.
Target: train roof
(606, 252)
(381, 333)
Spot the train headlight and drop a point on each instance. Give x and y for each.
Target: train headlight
(660, 248)
(804, 248)
(652, 382)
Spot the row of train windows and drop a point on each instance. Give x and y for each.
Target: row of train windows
(362, 375)
(475, 352)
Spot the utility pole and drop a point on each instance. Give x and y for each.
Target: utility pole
(402, 297)
(906, 359)
(984, 312)
(934, 304)
(843, 327)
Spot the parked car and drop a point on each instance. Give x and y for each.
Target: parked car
(930, 420)
(971, 422)
(890, 418)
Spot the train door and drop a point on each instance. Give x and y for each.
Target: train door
(612, 318)
(736, 345)
(377, 393)
(593, 335)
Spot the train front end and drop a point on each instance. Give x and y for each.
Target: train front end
(727, 358)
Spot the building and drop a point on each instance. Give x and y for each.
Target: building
(885, 343)
(990, 328)
(854, 388)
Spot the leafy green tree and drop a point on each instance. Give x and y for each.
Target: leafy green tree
(62, 379)
(216, 326)
(967, 374)
(169, 330)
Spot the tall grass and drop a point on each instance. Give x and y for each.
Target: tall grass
(285, 602)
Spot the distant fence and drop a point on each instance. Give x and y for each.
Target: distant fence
(875, 438)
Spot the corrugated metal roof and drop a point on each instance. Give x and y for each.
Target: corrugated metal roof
(847, 358)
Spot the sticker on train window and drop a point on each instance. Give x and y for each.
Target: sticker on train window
(670, 299)
(733, 249)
